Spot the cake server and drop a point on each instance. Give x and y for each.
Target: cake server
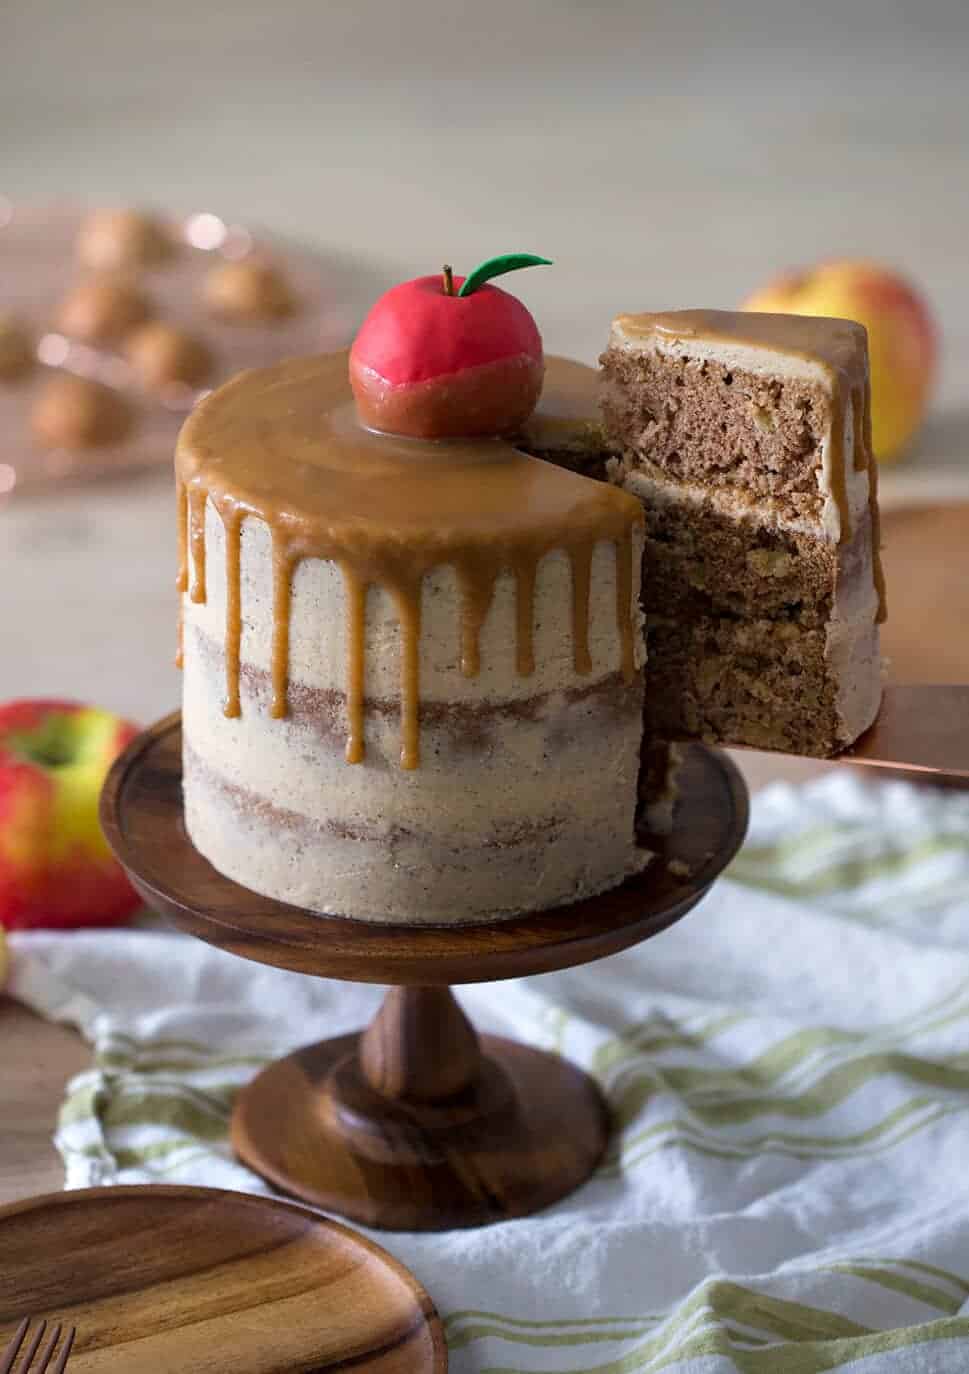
(919, 727)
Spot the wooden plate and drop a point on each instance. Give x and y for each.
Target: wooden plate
(165, 1280)
(141, 813)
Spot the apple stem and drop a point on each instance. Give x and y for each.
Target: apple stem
(448, 279)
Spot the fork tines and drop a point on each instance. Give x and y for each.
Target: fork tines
(46, 1355)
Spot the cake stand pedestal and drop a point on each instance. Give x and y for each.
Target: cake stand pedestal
(417, 1123)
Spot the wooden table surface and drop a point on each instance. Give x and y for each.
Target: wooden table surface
(660, 156)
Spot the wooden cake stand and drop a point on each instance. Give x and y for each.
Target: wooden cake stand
(417, 1123)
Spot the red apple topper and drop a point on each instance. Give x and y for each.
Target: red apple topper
(448, 357)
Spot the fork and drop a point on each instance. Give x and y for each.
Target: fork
(46, 1355)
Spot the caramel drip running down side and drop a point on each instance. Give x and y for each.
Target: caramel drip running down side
(181, 497)
(876, 542)
(356, 643)
(862, 427)
(477, 593)
(283, 569)
(181, 581)
(408, 601)
(232, 519)
(865, 458)
(197, 499)
(525, 574)
(581, 559)
(836, 459)
(624, 603)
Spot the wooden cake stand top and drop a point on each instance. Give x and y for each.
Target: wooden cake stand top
(141, 812)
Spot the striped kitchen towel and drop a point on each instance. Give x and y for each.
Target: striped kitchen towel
(787, 1189)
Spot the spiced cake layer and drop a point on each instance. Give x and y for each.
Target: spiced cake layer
(412, 672)
(747, 439)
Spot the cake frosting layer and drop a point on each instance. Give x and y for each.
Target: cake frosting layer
(320, 611)
(405, 877)
(527, 789)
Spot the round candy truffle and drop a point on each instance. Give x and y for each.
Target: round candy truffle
(75, 412)
(161, 354)
(16, 353)
(247, 291)
(102, 311)
(119, 238)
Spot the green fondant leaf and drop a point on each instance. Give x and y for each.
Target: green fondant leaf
(497, 267)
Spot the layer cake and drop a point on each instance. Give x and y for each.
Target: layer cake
(438, 681)
(412, 686)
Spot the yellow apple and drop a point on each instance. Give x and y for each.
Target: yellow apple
(902, 336)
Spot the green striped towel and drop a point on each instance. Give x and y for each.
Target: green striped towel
(788, 1185)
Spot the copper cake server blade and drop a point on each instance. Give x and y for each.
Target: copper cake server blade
(922, 728)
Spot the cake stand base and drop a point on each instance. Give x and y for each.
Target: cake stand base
(338, 1126)
(416, 1123)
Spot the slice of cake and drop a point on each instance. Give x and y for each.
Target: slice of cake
(747, 439)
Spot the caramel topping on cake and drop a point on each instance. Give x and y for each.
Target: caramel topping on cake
(838, 348)
(567, 417)
(284, 445)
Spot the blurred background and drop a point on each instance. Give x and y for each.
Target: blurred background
(662, 154)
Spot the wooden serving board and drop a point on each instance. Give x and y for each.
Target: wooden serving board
(167, 1279)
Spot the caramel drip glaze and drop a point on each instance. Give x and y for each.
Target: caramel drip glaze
(232, 518)
(181, 580)
(283, 445)
(356, 639)
(838, 347)
(282, 608)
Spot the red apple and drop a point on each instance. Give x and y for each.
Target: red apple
(56, 869)
(902, 337)
(448, 357)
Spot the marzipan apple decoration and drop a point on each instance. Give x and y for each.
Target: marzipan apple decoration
(447, 357)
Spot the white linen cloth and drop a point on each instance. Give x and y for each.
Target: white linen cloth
(788, 1185)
